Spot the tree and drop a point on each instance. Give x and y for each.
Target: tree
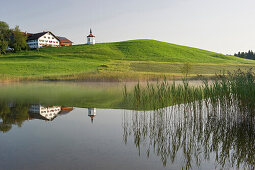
(248, 55)
(186, 69)
(18, 41)
(4, 37)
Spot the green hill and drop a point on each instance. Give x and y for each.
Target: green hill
(135, 59)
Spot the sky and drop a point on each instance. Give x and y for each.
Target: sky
(224, 26)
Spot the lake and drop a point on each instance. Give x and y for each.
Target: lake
(67, 125)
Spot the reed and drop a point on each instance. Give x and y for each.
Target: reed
(225, 90)
(197, 135)
(215, 118)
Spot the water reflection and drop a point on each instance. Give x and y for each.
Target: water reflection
(92, 113)
(196, 133)
(45, 113)
(17, 113)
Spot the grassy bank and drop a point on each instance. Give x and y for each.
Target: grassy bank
(128, 60)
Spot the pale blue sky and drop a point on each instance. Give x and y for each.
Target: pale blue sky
(224, 26)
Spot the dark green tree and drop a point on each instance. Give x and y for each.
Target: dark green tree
(18, 41)
(4, 36)
(248, 55)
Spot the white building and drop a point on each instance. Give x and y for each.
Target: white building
(48, 113)
(91, 39)
(92, 113)
(42, 39)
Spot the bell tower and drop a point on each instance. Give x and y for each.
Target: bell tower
(92, 113)
(91, 39)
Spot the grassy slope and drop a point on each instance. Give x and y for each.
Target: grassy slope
(127, 59)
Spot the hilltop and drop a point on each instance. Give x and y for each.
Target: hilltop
(134, 59)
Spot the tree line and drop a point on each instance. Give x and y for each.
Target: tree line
(248, 55)
(12, 38)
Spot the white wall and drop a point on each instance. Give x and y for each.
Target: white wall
(33, 43)
(46, 40)
(91, 111)
(47, 112)
(91, 40)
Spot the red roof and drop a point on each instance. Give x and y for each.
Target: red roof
(64, 40)
(90, 35)
(26, 33)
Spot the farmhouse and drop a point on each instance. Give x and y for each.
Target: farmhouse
(42, 39)
(63, 41)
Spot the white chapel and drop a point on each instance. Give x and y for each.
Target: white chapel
(91, 39)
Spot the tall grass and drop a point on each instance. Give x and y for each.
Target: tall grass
(227, 89)
(215, 118)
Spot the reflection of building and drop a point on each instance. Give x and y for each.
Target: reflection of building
(45, 113)
(65, 109)
(92, 113)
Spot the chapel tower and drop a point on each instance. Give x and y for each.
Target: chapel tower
(91, 39)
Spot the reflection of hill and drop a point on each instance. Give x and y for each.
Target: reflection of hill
(195, 135)
(82, 95)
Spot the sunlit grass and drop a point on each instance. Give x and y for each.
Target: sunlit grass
(136, 58)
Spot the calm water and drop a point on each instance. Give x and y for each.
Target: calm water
(44, 127)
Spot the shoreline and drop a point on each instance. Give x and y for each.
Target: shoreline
(114, 77)
(105, 79)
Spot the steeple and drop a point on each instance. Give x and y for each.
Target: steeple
(92, 118)
(91, 38)
(92, 113)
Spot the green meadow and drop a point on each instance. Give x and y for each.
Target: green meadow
(118, 61)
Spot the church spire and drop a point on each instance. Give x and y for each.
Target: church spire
(92, 113)
(91, 38)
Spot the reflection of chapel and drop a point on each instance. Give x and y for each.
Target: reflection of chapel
(92, 113)
(91, 39)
